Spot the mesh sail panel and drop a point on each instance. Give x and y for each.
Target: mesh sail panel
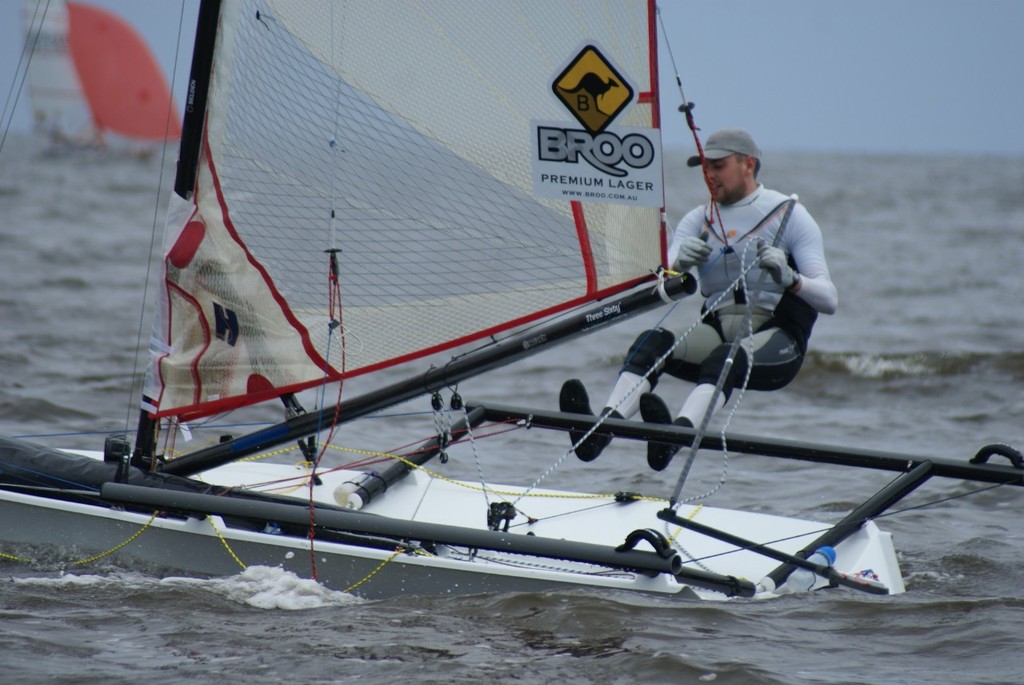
(399, 135)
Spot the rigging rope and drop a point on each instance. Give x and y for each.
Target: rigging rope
(687, 109)
(745, 333)
(334, 314)
(334, 318)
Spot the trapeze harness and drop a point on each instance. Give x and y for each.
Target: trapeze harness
(780, 335)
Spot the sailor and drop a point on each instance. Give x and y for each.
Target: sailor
(745, 226)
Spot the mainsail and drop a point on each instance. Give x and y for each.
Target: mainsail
(375, 185)
(92, 74)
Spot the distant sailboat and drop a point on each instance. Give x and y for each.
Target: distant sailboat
(91, 77)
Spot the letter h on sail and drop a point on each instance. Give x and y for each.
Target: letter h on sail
(226, 324)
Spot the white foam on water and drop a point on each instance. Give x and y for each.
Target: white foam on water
(74, 580)
(873, 366)
(266, 587)
(263, 587)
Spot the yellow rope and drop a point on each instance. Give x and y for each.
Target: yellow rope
(679, 529)
(369, 453)
(172, 453)
(224, 542)
(399, 550)
(470, 486)
(12, 557)
(387, 455)
(140, 531)
(82, 562)
(371, 574)
(432, 474)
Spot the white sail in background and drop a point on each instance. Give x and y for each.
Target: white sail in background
(91, 75)
(58, 104)
(403, 136)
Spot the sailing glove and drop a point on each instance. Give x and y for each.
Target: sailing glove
(773, 260)
(692, 252)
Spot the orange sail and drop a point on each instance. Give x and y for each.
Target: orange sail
(123, 83)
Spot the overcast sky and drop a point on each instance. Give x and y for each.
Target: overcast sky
(920, 76)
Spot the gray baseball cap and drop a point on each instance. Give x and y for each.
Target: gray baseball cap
(728, 141)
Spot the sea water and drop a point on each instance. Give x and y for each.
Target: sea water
(923, 358)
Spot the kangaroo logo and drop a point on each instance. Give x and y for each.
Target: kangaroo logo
(592, 90)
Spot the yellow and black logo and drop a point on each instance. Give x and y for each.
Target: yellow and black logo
(592, 90)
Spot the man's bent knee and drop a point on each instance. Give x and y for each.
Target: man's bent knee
(649, 347)
(718, 362)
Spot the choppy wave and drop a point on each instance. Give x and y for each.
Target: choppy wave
(912, 364)
(922, 285)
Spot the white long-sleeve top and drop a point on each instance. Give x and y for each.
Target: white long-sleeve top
(742, 224)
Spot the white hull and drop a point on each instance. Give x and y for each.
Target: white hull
(74, 532)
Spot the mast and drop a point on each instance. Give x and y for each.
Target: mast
(195, 101)
(188, 164)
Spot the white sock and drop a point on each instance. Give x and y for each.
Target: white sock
(696, 405)
(621, 393)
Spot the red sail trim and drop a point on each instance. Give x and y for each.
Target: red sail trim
(202, 410)
(591, 294)
(199, 409)
(124, 86)
(194, 366)
(158, 365)
(585, 249)
(226, 404)
(654, 98)
(220, 405)
(652, 62)
(307, 343)
(651, 96)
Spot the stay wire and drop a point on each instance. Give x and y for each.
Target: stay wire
(335, 309)
(131, 404)
(21, 71)
(687, 110)
(335, 322)
(934, 502)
